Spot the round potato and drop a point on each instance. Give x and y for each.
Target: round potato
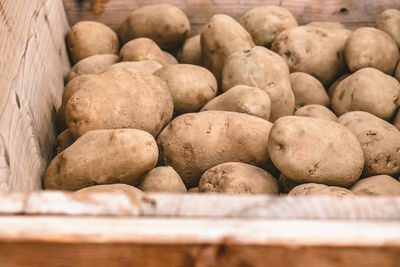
(389, 22)
(88, 38)
(103, 157)
(194, 190)
(163, 179)
(320, 189)
(190, 53)
(316, 111)
(194, 142)
(170, 58)
(368, 90)
(330, 25)
(310, 150)
(142, 49)
(380, 142)
(334, 85)
(243, 99)
(120, 99)
(238, 178)
(165, 24)
(142, 67)
(313, 50)
(307, 90)
(264, 23)
(191, 86)
(379, 185)
(262, 68)
(285, 184)
(221, 37)
(64, 140)
(369, 47)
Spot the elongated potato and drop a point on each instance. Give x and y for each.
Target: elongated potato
(163, 179)
(190, 52)
(96, 64)
(64, 140)
(380, 142)
(310, 150)
(221, 37)
(194, 142)
(142, 67)
(320, 189)
(244, 99)
(262, 68)
(142, 49)
(316, 111)
(103, 157)
(379, 185)
(238, 178)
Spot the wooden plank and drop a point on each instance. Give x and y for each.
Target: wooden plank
(353, 13)
(33, 60)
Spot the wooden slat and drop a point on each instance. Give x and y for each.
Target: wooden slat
(33, 60)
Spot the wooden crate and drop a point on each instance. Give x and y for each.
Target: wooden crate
(39, 228)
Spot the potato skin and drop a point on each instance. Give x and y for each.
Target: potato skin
(96, 64)
(380, 142)
(103, 157)
(310, 150)
(316, 111)
(64, 140)
(88, 38)
(142, 67)
(166, 24)
(262, 68)
(194, 142)
(379, 185)
(243, 99)
(396, 120)
(190, 53)
(142, 49)
(389, 22)
(221, 37)
(320, 189)
(191, 86)
(368, 90)
(170, 58)
(370, 47)
(163, 179)
(238, 178)
(334, 85)
(110, 188)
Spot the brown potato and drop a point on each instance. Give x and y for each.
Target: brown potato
(369, 47)
(330, 25)
(380, 142)
(163, 179)
(142, 49)
(192, 143)
(368, 90)
(194, 190)
(379, 185)
(238, 178)
(310, 150)
(262, 68)
(264, 23)
(320, 189)
(110, 188)
(88, 38)
(170, 58)
(191, 86)
(243, 99)
(120, 99)
(221, 37)
(166, 24)
(316, 111)
(307, 90)
(64, 140)
(103, 157)
(334, 85)
(190, 53)
(389, 22)
(142, 67)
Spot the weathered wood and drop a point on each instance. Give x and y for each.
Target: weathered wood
(353, 13)
(33, 61)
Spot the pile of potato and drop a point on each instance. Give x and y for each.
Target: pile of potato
(260, 106)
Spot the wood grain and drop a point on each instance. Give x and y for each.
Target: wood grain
(33, 60)
(353, 13)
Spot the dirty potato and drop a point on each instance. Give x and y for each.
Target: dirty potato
(378, 185)
(316, 111)
(163, 179)
(312, 189)
(142, 49)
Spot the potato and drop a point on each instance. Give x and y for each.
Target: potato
(333, 86)
(316, 111)
(307, 90)
(190, 53)
(313, 50)
(142, 49)
(120, 99)
(389, 22)
(396, 121)
(380, 142)
(238, 178)
(194, 142)
(165, 24)
(320, 189)
(262, 68)
(379, 185)
(96, 64)
(88, 38)
(244, 99)
(369, 47)
(330, 25)
(163, 179)
(285, 184)
(310, 150)
(193, 190)
(64, 140)
(103, 157)
(170, 58)
(142, 67)
(368, 90)
(110, 188)
(71, 88)
(191, 86)
(221, 37)
(264, 23)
